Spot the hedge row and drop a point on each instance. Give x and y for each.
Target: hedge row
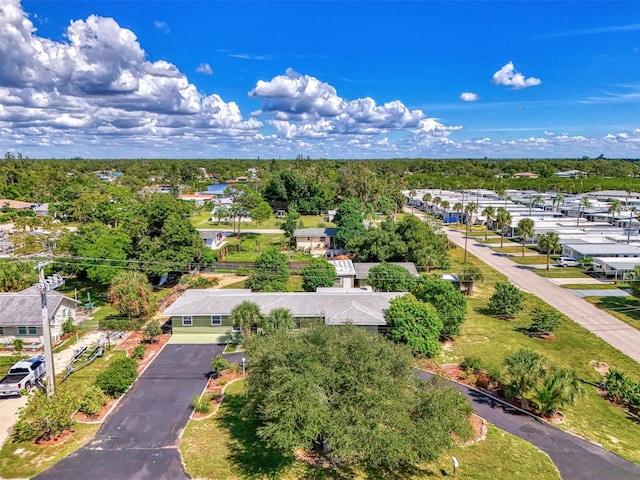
(121, 324)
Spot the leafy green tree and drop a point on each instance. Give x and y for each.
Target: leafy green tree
(130, 294)
(249, 203)
(18, 346)
(506, 301)
(635, 281)
(379, 244)
(525, 369)
(278, 319)
(414, 323)
(503, 220)
(270, 273)
(44, 417)
(246, 315)
(388, 277)
(289, 225)
(349, 219)
(549, 242)
(152, 330)
(544, 320)
(448, 301)
(470, 274)
(349, 392)
(17, 276)
(318, 273)
(525, 230)
(118, 377)
(218, 364)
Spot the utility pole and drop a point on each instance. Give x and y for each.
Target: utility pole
(46, 330)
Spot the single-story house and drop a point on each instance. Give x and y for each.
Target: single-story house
(614, 266)
(345, 272)
(571, 174)
(363, 269)
(21, 315)
(212, 238)
(584, 250)
(525, 175)
(205, 315)
(315, 240)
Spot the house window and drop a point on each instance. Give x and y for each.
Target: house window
(33, 331)
(22, 330)
(1, 331)
(216, 320)
(236, 328)
(187, 321)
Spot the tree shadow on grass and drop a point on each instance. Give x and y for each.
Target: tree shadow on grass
(627, 305)
(248, 453)
(402, 472)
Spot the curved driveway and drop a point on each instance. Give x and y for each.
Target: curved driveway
(139, 440)
(576, 458)
(613, 331)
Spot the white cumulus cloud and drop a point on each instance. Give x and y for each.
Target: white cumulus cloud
(162, 26)
(468, 97)
(508, 76)
(205, 68)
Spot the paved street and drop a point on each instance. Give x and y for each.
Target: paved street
(577, 459)
(613, 331)
(139, 440)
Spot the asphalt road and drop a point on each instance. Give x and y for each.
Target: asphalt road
(576, 458)
(613, 331)
(139, 440)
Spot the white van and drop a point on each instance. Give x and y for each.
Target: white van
(567, 262)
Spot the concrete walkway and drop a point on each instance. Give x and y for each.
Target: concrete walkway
(600, 293)
(613, 331)
(578, 281)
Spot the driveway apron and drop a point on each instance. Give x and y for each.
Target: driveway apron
(139, 440)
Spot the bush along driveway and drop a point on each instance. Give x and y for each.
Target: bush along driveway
(139, 440)
(576, 458)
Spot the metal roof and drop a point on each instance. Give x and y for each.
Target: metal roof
(336, 306)
(603, 249)
(344, 268)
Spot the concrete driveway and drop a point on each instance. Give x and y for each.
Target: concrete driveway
(9, 407)
(139, 440)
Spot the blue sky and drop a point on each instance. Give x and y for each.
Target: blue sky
(332, 79)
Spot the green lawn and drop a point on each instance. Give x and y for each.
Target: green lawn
(203, 220)
(226, 447)
(595, 286)
(566, 272)
(294, 284)
(529, 259)
(592, 417)
(250, 245)
(626, 309)
(25, 459)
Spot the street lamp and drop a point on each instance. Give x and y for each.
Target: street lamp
(243, 365)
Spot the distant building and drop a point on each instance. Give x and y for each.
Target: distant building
(315, 240)
(571, 174)
(525, 175)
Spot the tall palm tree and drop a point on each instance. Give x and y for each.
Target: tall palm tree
(535, 201)
(558, 200)
(278, 319)
(470, 209)
(524, 230)
(457, 208)
(490, 214)
(445, 208)
(246, 315)
(585, 203)
(503, 219)
(549, 242)
(426, 198)
(615, 207)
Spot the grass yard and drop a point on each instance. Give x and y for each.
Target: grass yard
(225, 447)
(529, 259)
(595, 286)
(509, 248)
(203, 220)
(25, 459)
(564, 272)
(294, 284)
(626, 309)
(591, 417)
(252, 244)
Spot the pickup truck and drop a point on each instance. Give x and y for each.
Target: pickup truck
(23, 375)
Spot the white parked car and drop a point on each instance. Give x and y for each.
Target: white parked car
(567, 262)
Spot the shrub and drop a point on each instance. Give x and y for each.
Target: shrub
(235, 368)
(243, 271)
(543, 321)
(218, 364)
(152, 330)
(138, 352)
(202, 282)
(118, 377)
(506, 301)
(222, 382)
(201, 404)
(121, 324)
(69, 327)
(18, 345)
(92, 401)
(472, 365)
(44, 417)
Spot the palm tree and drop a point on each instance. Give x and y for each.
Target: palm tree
(490, 213)
(632, 212)
(503, 219)
(470, 274)
(437, 201)
(615, 207)
(278, 319)
(535, 201)
(458, 209)
(412, 194)
(525, 229)
(559, 200)
(585, 203)
(246, 315)
(426, 198)
(559, 387)
(525, 367)
(549, 242)
(445, 208)
(470, 209)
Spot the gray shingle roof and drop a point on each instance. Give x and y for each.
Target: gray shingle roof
(24, 308)
(315, 232)
(336, 305)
